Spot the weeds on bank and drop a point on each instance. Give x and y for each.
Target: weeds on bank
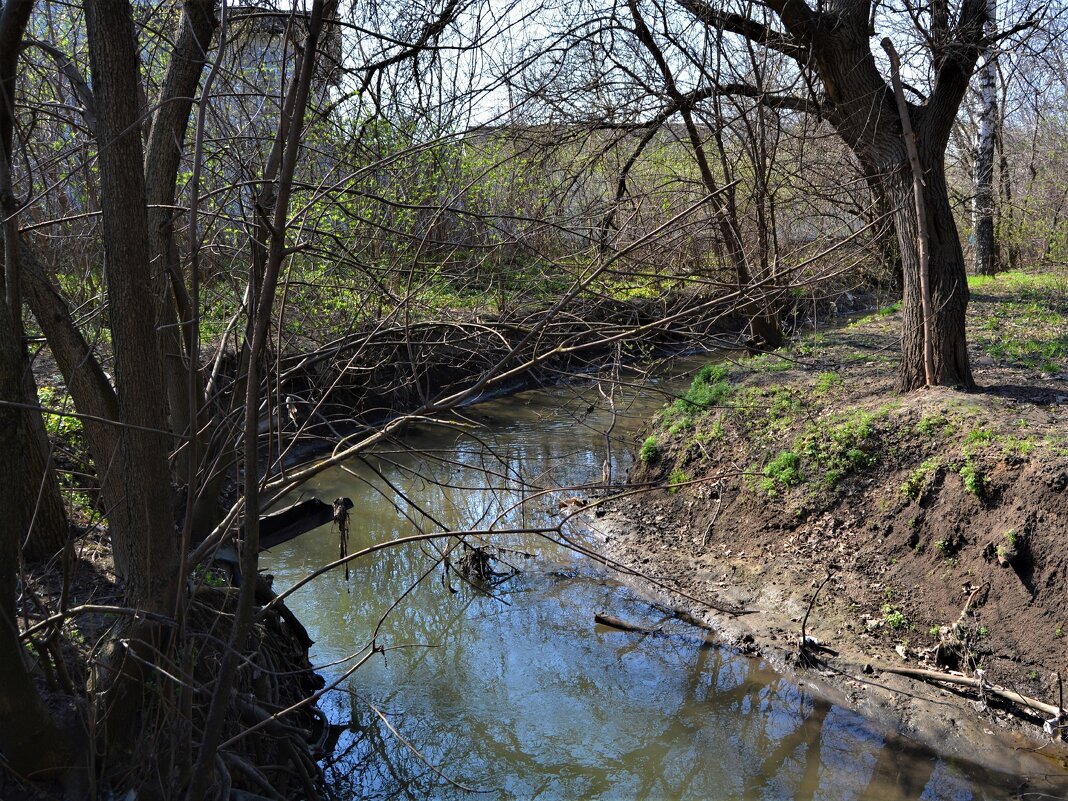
(1029, 328)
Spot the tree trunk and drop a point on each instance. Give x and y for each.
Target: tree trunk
(983, 255)
(947, 278)
(35, 484)
(30, 741)
(148, 547)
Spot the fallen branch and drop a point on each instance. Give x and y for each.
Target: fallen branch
(635, 628)
(622, 625)
(977, 684)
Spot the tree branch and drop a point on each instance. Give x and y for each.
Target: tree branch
(749, 28)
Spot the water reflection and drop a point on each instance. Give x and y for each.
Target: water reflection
(522, 695)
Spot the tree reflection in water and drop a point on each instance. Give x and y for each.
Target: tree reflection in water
(521, 695)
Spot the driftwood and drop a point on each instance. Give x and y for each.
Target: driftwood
(285, 525)
(292, 521)
(977, 684)
(622, 625)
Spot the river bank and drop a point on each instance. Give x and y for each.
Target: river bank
(933, 524)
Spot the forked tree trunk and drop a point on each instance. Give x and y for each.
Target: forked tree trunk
(947, 280)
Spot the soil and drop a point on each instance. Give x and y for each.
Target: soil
(940, 517)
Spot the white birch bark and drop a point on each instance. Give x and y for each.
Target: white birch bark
(983, 204)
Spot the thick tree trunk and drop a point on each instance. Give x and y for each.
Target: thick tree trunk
(150, 551)
(30, 741)
(947, 278)
(34, 485)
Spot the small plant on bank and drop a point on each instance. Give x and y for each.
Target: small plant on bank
(972, 476)
(677, 478)
(709, 389)
(929, 424)
(649, 450)
(916, 481)
(825, 382)
(784, 471)
(894, 617)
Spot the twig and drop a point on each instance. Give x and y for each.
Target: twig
(811, 603)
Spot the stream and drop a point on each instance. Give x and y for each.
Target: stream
(517, 693)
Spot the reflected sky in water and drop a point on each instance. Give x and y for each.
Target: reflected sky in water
(520, 694)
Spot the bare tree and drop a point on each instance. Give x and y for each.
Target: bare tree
(831, 45)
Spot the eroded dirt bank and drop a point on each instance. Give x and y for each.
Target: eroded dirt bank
(941, 518)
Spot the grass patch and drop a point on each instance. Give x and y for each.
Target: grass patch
(825, 382)
(710, 388)
(677, 478)
(782, 472)
(917, 479)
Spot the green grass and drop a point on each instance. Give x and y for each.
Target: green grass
(917, 479)
(649, 450)
(825, 382)
(972, 476)
(710, 388)
(1029, 328)
(677, 478)
(886, 311)
(782, 472)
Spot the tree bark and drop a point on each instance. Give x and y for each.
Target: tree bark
(35, 484)
(984, 250)
(31, 742)
(948, 282)
(147, 547)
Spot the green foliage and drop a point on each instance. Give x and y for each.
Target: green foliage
(838, 448)
(894, 617)
(825, 382)
(979, 436)
(710, 388)
(62, 427)
(932, 423)
(972, 475)
(784, 471)
(917, 478)
(649, 450)
(678, 477)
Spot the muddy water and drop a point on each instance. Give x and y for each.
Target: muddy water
(518, 694)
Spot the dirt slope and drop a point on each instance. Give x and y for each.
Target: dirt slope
(942, 516)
